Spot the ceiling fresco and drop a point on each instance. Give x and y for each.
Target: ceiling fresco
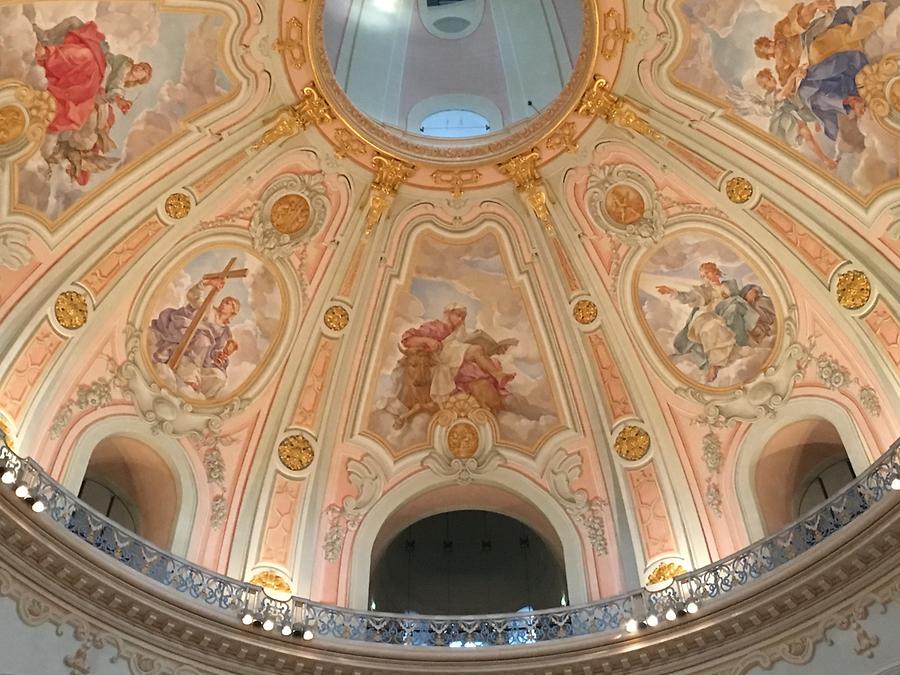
(121, 81)
(808, 77)
(600, 314)
(460, 337)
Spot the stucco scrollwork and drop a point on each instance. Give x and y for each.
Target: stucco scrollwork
(292, 210)
(622, 201)
(367, 477)
(14, 250)
(561, 472)
(166, 412)
(464, 450)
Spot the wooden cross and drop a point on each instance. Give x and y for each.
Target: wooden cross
(227, 273)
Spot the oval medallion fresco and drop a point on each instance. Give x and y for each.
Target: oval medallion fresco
(213, 322)
(708, 311)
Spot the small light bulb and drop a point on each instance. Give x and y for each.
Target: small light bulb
(692, 607)
(286, 630)
(652, 620)
(38, 506)
(268, 624)
(631, 626)
(8, 477)
(247, 619)
(670, 614)
(895, 484)
(307, 635)
(22, 491)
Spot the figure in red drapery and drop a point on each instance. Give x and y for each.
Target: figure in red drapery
(88, 83)
(75, 72)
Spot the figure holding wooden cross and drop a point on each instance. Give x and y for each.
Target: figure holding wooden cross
(194, 342)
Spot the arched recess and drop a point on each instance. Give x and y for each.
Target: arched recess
(504, 491)
(751, 449)
(166, 448)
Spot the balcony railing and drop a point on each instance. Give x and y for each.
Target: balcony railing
(241, 601)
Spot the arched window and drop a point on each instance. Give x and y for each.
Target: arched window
(130, 483)
(455, 124)
(104, 500)
(825, 483)
(802, 465)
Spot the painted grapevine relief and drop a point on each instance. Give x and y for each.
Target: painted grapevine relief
(708, 312)
(213, 323)
(460, 339)
(804, 73)
(123, 78)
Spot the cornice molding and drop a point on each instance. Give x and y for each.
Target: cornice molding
(59, 579)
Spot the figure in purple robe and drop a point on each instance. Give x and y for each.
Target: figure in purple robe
(203, 366)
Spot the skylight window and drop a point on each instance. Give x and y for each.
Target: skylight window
(455, 124)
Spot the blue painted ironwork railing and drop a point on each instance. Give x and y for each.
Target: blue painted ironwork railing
(241, 600)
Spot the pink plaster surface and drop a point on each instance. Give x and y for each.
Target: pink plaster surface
(30, 366)
(809, 246)
(307, 412)
(617, 397)
(652, 516)
(278, 541)
(118, 258)
(882, 321)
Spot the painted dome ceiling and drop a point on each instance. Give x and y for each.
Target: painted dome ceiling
(225, 233)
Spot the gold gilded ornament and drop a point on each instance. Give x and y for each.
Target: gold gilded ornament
(296, 453)
(336, 318)
(290, 213)
(7, 433)
(522, 170)
(390, 173)
(739, 189)
(71, 310)
(585, 311)
(12, 123)
(853, 289)
(291, 43)
(664, 572)
(599, 101)
(310, 109)
(272, 581)
(563, 138)
(632, 443)
(462, 440)
(178, 205)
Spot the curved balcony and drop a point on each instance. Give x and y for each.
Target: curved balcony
(750, 591)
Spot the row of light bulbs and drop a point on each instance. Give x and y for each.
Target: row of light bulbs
(633, 625)
(268, 624)
(10, 476)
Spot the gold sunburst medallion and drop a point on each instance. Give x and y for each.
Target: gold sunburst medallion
(296, 453)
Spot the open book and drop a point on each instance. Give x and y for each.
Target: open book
(489, 344)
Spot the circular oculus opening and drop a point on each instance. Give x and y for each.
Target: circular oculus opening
(384, 59)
